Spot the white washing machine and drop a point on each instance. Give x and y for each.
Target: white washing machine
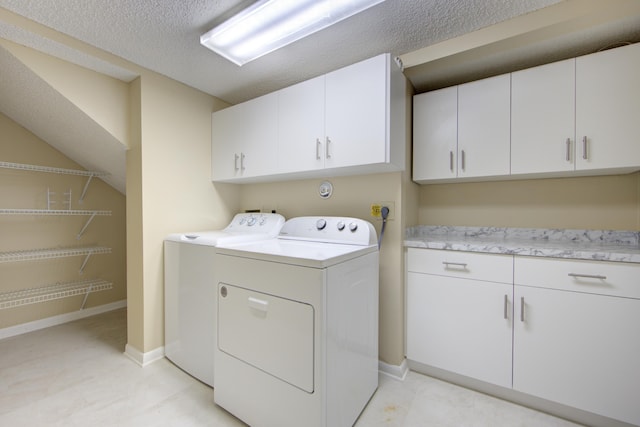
(297, 341)
(190, 298)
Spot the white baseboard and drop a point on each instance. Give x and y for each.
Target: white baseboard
(59, 319)
(398, 372)
(143, 359)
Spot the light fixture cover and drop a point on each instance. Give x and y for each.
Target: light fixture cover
(268, 25)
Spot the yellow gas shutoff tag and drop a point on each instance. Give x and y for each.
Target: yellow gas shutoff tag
(376, 211)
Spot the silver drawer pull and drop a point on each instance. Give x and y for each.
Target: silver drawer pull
(588, 276)
(522, 309)
(454, 264)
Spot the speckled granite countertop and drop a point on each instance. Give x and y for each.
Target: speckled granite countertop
(601, 245)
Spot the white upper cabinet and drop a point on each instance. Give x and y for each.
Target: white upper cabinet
(301, 141)
(543, 119)
(435, 134)
(483, 127)
(349, 121)
(227, 139)
(462, 132)
(357, 103)
(242, 151)
(572, 117)
(608, 108)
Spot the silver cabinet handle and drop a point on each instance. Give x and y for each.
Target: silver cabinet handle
(506, 303)
(568, 150)
(522, 309)
(462, 159)
(327, 153)
(235, 161)
(451, 160)
(318, 144)
(587, 276)
(585, 154)
(455, 264)
(241, 161)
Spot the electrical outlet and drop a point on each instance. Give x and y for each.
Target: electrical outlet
(376, 210)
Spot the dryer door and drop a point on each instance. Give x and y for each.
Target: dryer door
(270, 333)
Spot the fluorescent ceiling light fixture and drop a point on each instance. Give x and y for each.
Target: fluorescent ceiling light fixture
(268, 25)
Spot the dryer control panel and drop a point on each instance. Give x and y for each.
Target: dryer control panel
(330, 229)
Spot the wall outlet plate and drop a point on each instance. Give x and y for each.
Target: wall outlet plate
(376, 210)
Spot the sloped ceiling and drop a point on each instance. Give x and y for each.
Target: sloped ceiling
(441, 42)
(28, 98)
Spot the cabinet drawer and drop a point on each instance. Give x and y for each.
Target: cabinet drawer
(468, 265)
(596, 277)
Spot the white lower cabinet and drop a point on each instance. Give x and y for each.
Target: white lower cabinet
(566, 331)
(577, 335)
(457, 319)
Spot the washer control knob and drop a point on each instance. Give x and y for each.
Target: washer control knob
(321, 224)
(340, 225)
(263, 220)
(353, 226)
(251, 221)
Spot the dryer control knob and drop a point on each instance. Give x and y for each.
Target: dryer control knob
(321, 224)
(353, 226)
(340, 225)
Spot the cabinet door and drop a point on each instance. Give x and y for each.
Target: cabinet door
(543, 118)
(578, 349)
(356, 113)
(244, 140)
(607, 107)
(484, 113)
(226, 141)
(260, 136)
(460, 325)
(435, 134)
(301, 126)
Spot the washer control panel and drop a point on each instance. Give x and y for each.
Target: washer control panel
(330, 229)
(256, 222)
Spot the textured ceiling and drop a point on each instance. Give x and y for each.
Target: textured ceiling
(163, 36)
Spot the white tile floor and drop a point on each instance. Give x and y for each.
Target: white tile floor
(76, 375)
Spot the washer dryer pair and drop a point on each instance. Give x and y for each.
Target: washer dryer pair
(297, 341)
(190, 298)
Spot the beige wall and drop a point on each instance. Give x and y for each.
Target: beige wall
(28, 190)
(169, 190)
(601, 202)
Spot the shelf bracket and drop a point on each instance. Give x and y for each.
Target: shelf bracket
(86, 186)
(84, 300)
(79, 236)
(84, 263)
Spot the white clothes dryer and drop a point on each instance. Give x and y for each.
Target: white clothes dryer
(190, 297)
(297, 341)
